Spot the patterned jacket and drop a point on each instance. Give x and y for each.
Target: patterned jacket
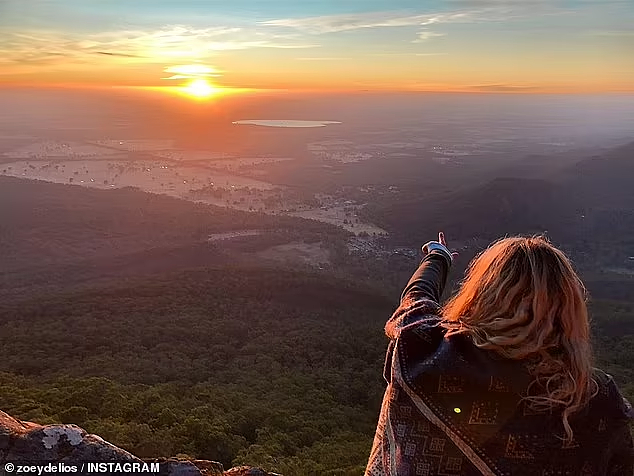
(452, 409)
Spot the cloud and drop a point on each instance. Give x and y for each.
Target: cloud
(184, 41)
(426, 35)
(149, 46)
(122, 55)
(501, 87)
(322, 59)
(475, 11)
(612, 33)
(347, 22)
(244, 45)
(192, 71)
(409, 54)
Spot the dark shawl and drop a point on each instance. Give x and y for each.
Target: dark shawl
(454, 409)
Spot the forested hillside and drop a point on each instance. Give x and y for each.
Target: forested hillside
(591, 200)
(118, 314)
(270, 367)
(44, 223)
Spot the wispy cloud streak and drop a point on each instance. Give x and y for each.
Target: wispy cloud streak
(151, 46)
(479, 12)
(121, 55)
(501, 87)
(426, 35)
(322, 58)
(612, 33)
(409, 54)
(338, 23)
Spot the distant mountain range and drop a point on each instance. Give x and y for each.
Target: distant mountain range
(583, 198)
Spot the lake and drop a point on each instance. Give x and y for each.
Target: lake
(285, 123)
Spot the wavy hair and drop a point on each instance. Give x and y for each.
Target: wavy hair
(522, 299)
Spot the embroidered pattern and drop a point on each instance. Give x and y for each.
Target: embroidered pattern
(484, 413)
(516, 448)
(450, 384)
(453, 464)
(423, 469)
(437, 445)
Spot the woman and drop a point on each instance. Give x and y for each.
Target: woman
(499, 381)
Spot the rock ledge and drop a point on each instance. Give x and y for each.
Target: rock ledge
(34, 443)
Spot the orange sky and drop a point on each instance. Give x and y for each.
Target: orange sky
(482, 45)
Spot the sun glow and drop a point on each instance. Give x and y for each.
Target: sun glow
(200, 89)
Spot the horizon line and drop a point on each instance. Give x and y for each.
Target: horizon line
(480, 89)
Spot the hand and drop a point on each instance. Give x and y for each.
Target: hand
(441, 238)
(427, 247)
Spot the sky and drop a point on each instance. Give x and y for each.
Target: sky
(427, 45)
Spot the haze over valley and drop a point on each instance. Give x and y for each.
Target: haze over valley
(383, 144)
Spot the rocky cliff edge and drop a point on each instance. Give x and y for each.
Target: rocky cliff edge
(27, 442)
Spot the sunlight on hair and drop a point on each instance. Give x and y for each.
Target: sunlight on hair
(522, 299)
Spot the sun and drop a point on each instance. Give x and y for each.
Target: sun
(200, 89)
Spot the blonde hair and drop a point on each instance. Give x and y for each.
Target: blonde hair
(522, 299)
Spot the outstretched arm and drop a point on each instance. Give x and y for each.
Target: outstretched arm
(428, 281)
(421, 296)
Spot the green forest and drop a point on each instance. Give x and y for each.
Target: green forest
(242, 366)
(239, 366)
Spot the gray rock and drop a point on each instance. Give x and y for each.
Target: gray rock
(24, 441)
(27, 441)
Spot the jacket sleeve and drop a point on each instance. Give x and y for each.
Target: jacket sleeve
(421, 297)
